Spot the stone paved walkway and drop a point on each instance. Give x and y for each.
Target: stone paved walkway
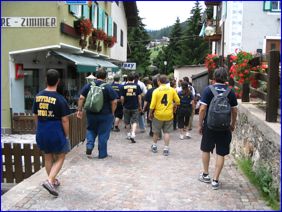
(136, 179)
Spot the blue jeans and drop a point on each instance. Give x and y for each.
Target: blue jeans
(99, 125)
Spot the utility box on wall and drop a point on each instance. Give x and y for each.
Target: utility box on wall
(19, 71)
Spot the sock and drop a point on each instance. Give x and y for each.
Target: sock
(215, 181)
(205, 174)
(116, 127)
(166, 147)
(154, 145)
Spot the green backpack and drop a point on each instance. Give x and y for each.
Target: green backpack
(95, 98)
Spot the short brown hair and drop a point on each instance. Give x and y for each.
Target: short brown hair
(163, 79)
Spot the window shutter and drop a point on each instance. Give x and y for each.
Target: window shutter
(72, 9)
(85, 11)
(100, 18)
(110, 26)
(267, 5)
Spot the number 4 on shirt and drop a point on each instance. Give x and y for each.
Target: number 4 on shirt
(164, 100)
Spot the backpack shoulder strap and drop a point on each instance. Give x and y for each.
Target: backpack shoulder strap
(92, 83)
(214, 92)
(225, 94)
(103, 84)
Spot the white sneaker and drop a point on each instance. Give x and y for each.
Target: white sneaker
(188, 135)
(128, 136)
(181, 137)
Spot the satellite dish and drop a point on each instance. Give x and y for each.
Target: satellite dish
(209, 31)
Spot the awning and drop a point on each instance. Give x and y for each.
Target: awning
(86, 64)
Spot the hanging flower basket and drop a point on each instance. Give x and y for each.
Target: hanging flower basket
(101, 35)
(83, 26)
(110, 41)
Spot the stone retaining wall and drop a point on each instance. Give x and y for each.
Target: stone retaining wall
(257, 139)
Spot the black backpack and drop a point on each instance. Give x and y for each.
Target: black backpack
(219, 113)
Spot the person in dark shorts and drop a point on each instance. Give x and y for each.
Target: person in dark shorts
(184, 110)
(119, 111)
(147, 102)
(51, 112)
(130, 97)
(99, 124)
(215, 139)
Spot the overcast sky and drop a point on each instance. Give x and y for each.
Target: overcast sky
(160, 14)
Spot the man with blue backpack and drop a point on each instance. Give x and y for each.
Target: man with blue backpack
(217, 119)
(100, 105)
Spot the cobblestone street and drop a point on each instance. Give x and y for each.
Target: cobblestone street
(134, 178)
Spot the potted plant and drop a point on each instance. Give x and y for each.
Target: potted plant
(83, 26)
(110, 41)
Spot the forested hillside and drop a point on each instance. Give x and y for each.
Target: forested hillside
(164, 32)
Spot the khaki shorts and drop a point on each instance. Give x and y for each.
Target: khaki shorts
(166, 126)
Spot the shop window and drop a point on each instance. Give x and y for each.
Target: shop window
(31, 87)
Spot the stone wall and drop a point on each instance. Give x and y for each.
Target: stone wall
(257, 139)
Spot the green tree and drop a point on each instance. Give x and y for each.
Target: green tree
(159, 60)
(194, 48)
(137, 51)
(174, 49)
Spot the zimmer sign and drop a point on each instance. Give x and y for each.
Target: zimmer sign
(28, 22)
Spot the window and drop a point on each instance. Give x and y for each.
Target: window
(272, 46)
(31, 87)
(76, 10)
(121, 38)
(106, 23)
(115, 30)
(272, 6)
(275, 6)
(85, 11)
(94, 15)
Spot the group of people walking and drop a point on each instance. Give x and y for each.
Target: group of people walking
(164, 102)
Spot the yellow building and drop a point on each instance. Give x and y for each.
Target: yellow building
(37, 36)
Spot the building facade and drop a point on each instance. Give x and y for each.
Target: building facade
(253, 26)
(37, 36)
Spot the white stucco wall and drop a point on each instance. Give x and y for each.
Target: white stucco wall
(118, 15)
(254, 24)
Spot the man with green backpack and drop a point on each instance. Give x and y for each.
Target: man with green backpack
(100, 101)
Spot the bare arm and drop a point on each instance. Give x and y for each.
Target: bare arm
(114, 106)
(66, 123)
(122, 100)
(202, 114)
(80, 106)
(145, 105)
(140, 102)
(234, 111)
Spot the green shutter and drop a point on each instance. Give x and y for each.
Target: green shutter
(85, 12)
(100, 18)
(93, 15)
(266, 5)
(110, 26)
(72, 9)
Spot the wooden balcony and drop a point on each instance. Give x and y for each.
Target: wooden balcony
(212, 3)
(215, 37)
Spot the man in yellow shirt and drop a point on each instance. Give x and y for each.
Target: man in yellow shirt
(161, 111)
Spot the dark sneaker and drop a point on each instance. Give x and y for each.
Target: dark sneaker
(205, 179)
(88, 151)
(166, 152)
(116, 129)
(132, 140)
(154, 148)
(215, 185)
(49, 187)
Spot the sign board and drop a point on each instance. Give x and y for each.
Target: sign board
(129, 66)
(28, 22)
(76, 2)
